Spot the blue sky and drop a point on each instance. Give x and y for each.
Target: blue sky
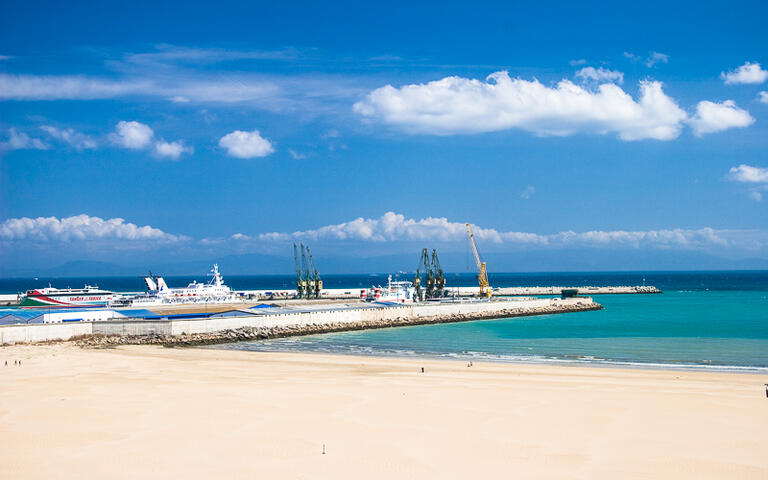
(183, 130)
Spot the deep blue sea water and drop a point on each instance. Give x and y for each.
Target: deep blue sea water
(702, 320)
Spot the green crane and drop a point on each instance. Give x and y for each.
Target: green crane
(301, 281)
(425, 290)
(305, 272)
(439, 290)
(315, 282)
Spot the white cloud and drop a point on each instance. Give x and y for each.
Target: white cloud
(255, 90)
(715, 117)
(756, 196)
(78, 140)
(600, 75)
(79, 228)
(461, 105)
(652, 59)
(656, 57)
(763, 97)
(21, 141)
(133, 135)
(5, 57)
(395, 227)
(171, 150)
(246, 144)
(576, 63)
(528, 192)
(296, 155)
(747, 73)
(748, 174)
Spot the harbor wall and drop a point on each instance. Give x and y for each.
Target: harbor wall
(337, 318)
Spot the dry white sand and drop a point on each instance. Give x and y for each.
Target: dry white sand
(152, 412)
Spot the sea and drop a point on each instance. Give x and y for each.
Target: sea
(714, 320)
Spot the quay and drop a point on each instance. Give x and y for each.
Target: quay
(347, 293)
(269, 321)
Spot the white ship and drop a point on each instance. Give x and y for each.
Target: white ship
(158, 292)
(88, 296)
(394, 292)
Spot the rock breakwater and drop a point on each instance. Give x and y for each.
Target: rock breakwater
(262, 333)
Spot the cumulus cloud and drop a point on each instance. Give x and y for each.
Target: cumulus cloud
(656, 57)
(246, 144)
(297, 155)
(460, 105)
(78, 140)
(756, 196)
(747, 73)
(80, 228)
(652, 59)
(133, 135)
(172, 150)
(763, 96)
(576, 63)
(22, 141)
(715, 117)
(528, 192)
(138, 136)
(600, 75)
(748, 174)
(395, 227)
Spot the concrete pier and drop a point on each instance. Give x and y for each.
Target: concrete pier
(283, 322)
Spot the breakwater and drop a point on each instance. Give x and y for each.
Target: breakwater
(248, 327)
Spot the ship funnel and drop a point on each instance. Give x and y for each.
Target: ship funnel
(151, 285)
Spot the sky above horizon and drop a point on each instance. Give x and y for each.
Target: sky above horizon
(184, 130)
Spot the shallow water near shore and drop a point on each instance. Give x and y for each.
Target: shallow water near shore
(721, 329)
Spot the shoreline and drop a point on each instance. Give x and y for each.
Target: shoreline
(149, 412)
(555, 362)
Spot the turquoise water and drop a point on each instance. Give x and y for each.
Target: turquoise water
(721, 329)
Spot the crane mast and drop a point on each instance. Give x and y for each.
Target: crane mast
(482, 274)
(301, 281)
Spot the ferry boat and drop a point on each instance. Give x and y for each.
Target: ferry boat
(394, 292)
(158, 292)
(88, 296)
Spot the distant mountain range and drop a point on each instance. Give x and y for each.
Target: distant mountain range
(536, 261)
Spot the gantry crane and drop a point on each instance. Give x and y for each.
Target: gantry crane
(439, 275)
(482, 274)
(301, 280)
(315, 282)
(424, 267)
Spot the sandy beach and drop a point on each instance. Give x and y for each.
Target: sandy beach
(153, 412)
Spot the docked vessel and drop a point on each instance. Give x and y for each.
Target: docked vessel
(88, 296)
(394, 292)
(158, 292)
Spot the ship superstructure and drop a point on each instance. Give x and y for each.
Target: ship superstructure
(394, 292)
(158, 292)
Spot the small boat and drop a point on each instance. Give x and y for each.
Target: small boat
(394, 292)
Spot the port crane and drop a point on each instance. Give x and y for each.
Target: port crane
(434, 281)
(439, 275)
(315, 282)
(482, 274)
(301, 280)
(308, 281)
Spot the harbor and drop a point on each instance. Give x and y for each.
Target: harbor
(262, 321)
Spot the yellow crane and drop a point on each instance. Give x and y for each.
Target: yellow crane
(482, 274)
